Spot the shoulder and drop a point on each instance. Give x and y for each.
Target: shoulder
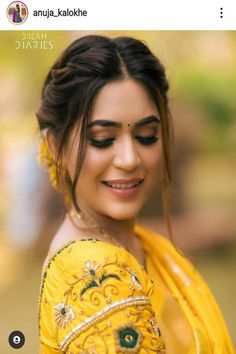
(85, 257)
(86, 283)
(63, 236)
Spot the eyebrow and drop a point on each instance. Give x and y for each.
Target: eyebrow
(147, 120)
(110, 123)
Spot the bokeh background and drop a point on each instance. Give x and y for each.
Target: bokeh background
(202, 73)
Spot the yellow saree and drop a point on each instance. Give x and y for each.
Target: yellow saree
(96, 298)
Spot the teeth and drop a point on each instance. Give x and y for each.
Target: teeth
(123, 185)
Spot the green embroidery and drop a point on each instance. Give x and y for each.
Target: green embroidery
(89, 239)
(63, 311)
(44, 276)
(106, 276)
(128, 337)
(92, 272)
(93, 283)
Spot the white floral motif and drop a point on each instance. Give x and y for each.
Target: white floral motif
(90, 268)
(64, 314)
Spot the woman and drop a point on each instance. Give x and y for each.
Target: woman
(109, 285)
(16, 14)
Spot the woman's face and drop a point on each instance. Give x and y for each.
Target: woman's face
(123, 154)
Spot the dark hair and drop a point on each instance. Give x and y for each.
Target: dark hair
(73, 82)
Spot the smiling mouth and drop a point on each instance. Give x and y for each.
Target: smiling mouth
(123, 185)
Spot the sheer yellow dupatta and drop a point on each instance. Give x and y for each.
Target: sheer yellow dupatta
(183, 282)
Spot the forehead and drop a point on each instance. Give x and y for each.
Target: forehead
(123, 100)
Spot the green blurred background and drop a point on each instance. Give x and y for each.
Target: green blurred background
(202, 73)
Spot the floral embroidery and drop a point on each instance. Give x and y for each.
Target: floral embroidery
(64, 314)
(45, 273)
(105, 313)
(135, 280)
(92, 277)
(90, 268)
(128, 339)
(114, 294)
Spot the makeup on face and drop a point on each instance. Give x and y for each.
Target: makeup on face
(102, 133)
(123, 152)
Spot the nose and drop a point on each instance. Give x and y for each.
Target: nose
(126, 156)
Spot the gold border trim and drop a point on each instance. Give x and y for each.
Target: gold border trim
(100, 315)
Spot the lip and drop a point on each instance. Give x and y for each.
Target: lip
(124, 188)
(124, 180)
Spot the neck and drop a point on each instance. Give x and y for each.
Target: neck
(121, 230)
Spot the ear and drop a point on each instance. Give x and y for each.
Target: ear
(51, 142)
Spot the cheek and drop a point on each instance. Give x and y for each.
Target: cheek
(95, 163)
(153, 160)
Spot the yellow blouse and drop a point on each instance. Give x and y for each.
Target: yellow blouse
(96, 298)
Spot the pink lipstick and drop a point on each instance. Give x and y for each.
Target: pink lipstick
(124, 187)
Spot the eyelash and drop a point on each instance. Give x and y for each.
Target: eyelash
(147, 140)
(101, 143)
(108, 142)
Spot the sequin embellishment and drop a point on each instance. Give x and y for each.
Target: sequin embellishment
(155, 326)
(101, 315)
(135, 280)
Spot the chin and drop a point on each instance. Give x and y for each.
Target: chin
(123, 213)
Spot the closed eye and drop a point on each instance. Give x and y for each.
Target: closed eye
(144, 140)
(147, 140)
(102, 143)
